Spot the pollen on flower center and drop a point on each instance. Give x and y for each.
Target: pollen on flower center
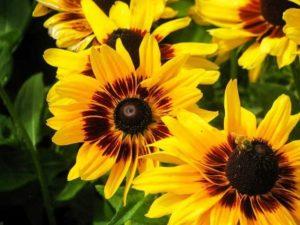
(252, 168)
(106, 5)
(131, 40)
(272, 10)
(133, 115)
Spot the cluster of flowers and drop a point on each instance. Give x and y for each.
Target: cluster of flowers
(131, 98)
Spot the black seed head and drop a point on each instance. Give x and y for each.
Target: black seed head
(133, 115)
(131, 40)
(272, 10)
(252, 168)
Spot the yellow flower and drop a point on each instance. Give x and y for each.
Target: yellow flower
(117, 111)
(130, 24)
(259, 23)
(70, 27)
(246, 174)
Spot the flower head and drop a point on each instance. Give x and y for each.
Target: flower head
(246, 174)
(117, 112)
(130, 24)
(257, 22)
(70, 27)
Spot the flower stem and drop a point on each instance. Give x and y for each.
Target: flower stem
(33, 152)
(295, 68)
(233, 64)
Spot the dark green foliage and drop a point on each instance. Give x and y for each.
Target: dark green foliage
(27, 79)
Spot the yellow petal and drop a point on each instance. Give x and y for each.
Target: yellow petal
(232, 105)
(167, 71)
(95, 164)
(73, 173)
(149, 56)
(120, 14)
(129, 180)
(252, 57)
(194, 48)
(192, 208)
(292, 28)
(66, 59)
(200, 62)
(178, 180)
(142, 14)
(168, 13)
(278, 123)
(108, 65)
(253, 74)
(205, 77)
(248, 122)
(221, 213)
(206, 115)
(117, 175)
(164, 157)
(96, 16)
(125, 55)
(40, 10)
(71, 133)
(292, 151)
(166, 28)
(200, 131)
(175, 148)
(164, 205)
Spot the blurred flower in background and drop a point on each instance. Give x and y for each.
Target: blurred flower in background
(259, 23)
(70, 27)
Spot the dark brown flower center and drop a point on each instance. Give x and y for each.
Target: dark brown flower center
(131, 40)
(133, 116)
(105, 5)
(272, 10)
(252, 168)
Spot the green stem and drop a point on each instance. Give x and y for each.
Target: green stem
(33, 152)
(295, 68)
(233, 64)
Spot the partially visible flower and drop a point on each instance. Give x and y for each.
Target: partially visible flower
(117, 112)
(131, 24)
(259, 23)
(244, 175)
(71, 29)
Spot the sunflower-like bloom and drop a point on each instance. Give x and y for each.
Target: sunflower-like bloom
(70, 27)
(118, 111)
(245, 174)
(259, 23)
(130, 24)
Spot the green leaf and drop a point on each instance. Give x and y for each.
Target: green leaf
(137, 206)
(139, 216)
(16, 169)
(127, 213)
(264, 94)
(103, 213)
(14, 16)
(116, 200)
(182, 7)
(70, 190)
(7, 132)
(29, 105)
(192, 33)
(5, 64)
